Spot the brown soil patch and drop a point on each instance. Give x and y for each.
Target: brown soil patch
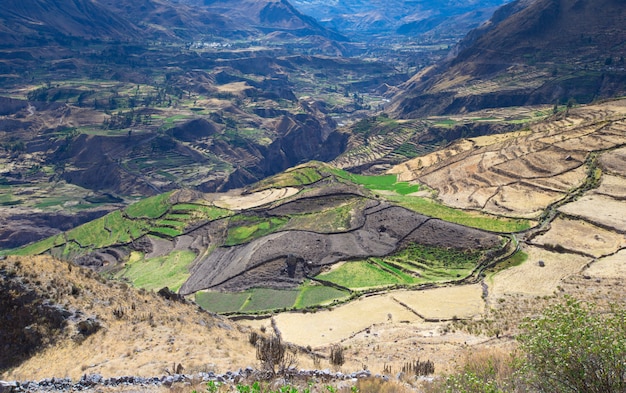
(463, 302)
(531, 279)
(250, 201)
(384, 228)
(613, 186)
(332, 326)
(366, 318)
(615, 161)
(583, 237)
(600, 210)
(611, 267)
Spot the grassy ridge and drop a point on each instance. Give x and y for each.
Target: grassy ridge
(314, 295)
(381, 182)
(361, 274)
(171, 270)
(153, 207)
(244, 229)
(471, 219)
(299, 176)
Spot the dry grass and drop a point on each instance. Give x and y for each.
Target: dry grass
(330, 326)
(146, 338)
(583, 237)
(599, 209)
(242, 202)
(531, 279)
(520, 174)
(463, 301)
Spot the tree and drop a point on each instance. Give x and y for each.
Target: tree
(572, 347)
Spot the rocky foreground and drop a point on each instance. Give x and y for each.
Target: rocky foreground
(91, 382)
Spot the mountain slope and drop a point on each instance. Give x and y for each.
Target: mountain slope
(40, 19)
(64, 321)
(531, 52)
(366, 17)
(271, 15)
(32, 21)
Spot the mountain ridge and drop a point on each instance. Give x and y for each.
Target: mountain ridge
(541, 52)
(32, 21)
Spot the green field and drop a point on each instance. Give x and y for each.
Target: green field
(471, 219)
(243, 229)
(38, 247)
(111, 229)
(361, 274)
(382, 182)
(221, 302)
(153, 207)
(415, 264)
(315, 295)
(326, 221)
(299, 176)
(197, 212)
(515, 260)
(265, 299)
(433, 264)
(155, 273)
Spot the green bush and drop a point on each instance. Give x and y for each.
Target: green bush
(573, 347)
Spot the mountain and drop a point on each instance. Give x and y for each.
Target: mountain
(40, 21)
(364, 18)
(270, 15)
(397, 276)
(530, 52)
(22, 21)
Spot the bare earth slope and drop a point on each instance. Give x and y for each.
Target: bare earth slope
(520, 176)
(531, 52)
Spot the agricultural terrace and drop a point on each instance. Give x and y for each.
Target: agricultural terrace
(470, 218)
(170, 271)
(255, 300)
(379, 183)
(415, 264)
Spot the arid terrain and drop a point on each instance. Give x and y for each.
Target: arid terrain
(182, 184)
(575, 249)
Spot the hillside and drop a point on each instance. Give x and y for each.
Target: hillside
(62, 320)
(282, 232)
(443, 289)
(531, 52)
(36, 21)
(365, 18)
(43, 22)
(272, 15)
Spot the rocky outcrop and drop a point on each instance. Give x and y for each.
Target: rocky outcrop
(303, 138)
(29, 320)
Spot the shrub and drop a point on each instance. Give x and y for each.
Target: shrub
(336, 355)
(572, 347)
(270, 352)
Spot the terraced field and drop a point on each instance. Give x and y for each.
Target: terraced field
(381, 264)
(257, 250)
(519, 176)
